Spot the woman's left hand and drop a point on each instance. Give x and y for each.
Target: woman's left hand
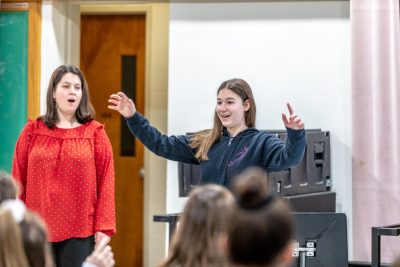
(293, 122)
(98, 236)
(102, 255)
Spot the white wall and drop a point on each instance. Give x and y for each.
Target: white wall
(58, 37)
(52, 51)
(287, 51)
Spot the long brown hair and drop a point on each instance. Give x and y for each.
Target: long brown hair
(203, 140)
(12, 252)
(204, 219)
(261, 226)
(23, 243)
(85, 111)
(34, 235)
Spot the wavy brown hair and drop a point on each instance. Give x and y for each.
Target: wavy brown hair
(85, 111)
(204, 219)
(203, 140)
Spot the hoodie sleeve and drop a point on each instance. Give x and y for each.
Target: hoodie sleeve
(170, 147)
(281, 155)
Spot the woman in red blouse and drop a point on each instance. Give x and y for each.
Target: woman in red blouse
(64, 165)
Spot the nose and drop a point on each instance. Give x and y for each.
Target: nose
(222, 106)
(71, 90)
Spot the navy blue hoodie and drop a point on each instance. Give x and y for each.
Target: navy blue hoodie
(228, 156)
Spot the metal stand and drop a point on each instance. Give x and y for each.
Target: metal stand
(377, 232)
(302, 252)
(302, 259)
(171, 219)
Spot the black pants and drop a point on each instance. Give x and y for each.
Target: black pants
(72, 252)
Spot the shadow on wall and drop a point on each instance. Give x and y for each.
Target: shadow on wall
(277, 10)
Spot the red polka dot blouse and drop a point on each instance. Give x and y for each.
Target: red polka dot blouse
(67, 176)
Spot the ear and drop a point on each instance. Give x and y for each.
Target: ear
(246, 105)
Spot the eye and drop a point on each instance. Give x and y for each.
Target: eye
(77, 88)
(219, 102)
(230, 102)
(65, 86)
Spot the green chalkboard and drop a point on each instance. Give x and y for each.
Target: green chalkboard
(13, 81)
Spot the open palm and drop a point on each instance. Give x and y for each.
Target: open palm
(123, 104)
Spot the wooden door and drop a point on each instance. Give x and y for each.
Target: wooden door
(112, 60)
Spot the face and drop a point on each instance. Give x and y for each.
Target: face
(68, 94)
(231, 110)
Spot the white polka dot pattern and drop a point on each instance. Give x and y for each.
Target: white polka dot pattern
(67, 176)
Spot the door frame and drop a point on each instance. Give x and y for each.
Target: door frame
(156, 93)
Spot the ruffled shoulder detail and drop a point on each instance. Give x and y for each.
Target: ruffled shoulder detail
(29, 128)
(87, 130)
(31, 125)
(97, 125)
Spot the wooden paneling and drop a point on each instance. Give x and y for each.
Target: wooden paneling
(34, 37)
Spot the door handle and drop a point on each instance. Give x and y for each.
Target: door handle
(141, 173)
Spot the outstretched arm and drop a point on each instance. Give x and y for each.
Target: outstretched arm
(294, 121)
(123, 104)
(170, 147)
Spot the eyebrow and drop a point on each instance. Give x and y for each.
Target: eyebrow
(229, 98)
(75, 84)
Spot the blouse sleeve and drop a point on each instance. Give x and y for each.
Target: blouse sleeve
(20, 159)
(105, 206)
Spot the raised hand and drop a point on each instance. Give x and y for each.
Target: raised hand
(121, 103)
(293, 122)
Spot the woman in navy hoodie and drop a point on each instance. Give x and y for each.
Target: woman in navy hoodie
(233, 143)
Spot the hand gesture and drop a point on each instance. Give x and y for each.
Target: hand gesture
(122, 104)
(293, 122)
(98, 237)
(102, 256)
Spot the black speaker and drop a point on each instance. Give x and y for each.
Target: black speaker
(312, 174)
(320, 240)
(188, 177)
